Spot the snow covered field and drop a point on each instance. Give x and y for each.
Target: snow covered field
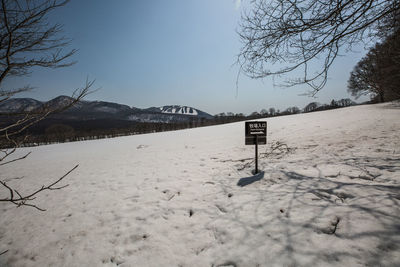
(172, 199)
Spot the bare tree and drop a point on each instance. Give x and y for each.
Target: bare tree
(28, 40)
(264, 112)
(304, 37)
(311, 107)
(366, 78)
(292, 110)
(272, 111)
(345, 102)
(378, 73)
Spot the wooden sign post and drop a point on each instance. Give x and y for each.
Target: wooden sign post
(256, 134)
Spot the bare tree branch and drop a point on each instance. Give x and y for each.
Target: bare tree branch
(18, 199)
(14, 160)
(28, 40)
(290, 37)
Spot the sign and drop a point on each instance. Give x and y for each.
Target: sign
(256, 132)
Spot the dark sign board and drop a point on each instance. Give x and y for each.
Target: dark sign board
(256, 130)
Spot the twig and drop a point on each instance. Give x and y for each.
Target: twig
(20, 158)
(4, 252)
(21, 200)
(277, 148)
(281, 148)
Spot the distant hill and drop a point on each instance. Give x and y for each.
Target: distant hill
(19, 104)
(96, 110)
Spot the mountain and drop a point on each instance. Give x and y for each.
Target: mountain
(60, 101)
(94, 110)
(19, 104)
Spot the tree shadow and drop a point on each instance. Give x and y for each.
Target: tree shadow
(313, 220)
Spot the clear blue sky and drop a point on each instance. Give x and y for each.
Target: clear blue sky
(157, 52)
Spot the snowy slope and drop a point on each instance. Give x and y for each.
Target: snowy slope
(172, 199)
(180, 110)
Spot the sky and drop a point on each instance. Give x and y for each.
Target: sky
(176, 52)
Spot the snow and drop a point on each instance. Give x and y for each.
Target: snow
(112, 110)
(179, 110)
(172, 199)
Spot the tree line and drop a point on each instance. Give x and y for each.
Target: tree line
(272, 112)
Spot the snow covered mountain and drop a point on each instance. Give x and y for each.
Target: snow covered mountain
(328, 195)
(91, 110)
